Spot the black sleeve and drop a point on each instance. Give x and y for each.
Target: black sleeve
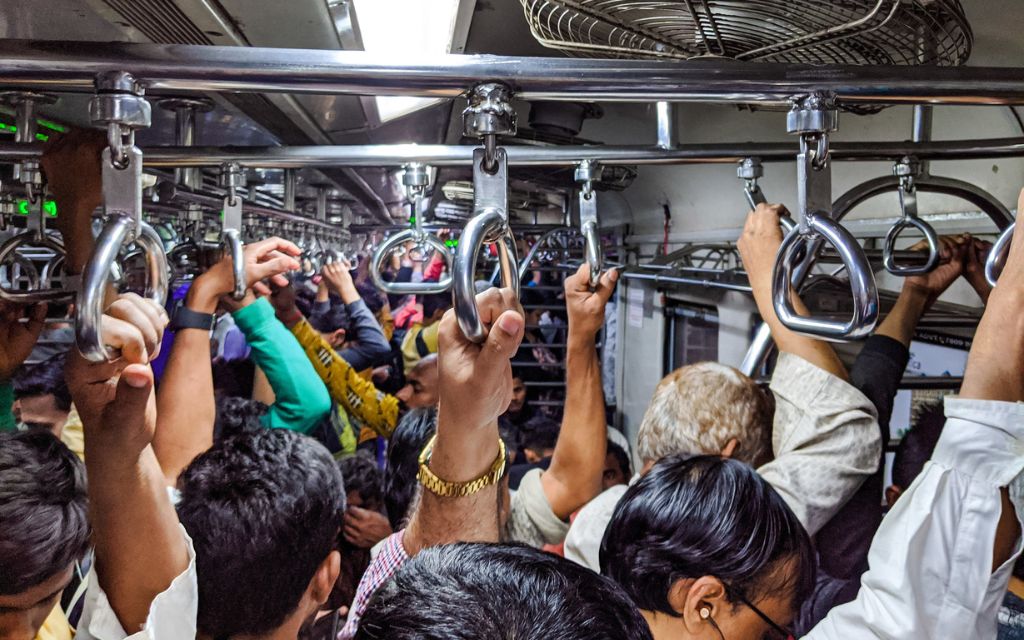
(844, 541)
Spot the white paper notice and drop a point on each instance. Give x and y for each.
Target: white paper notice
(635, 307)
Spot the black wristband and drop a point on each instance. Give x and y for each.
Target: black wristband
(185, 318)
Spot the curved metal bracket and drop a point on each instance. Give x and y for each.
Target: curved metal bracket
(409, 288)
(591, 236)
(997, 255)
(862, 284)
(995, 210)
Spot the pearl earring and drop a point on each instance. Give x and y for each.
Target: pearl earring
(705, 613)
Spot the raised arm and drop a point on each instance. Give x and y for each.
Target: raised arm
(758, 245)
(186, 410)
(942, 557)
(475, 387)
(574, 477)
(139, 544)
(17, 339)
(301, 400)
(877, 373)
(368, 346)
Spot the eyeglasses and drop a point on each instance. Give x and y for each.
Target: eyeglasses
(779, 632)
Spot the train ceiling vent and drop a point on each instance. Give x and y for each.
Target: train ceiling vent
(161, 21)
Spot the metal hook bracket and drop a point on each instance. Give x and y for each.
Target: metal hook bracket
(490, 113)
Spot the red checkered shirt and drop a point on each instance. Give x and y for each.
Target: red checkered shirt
(389, 560)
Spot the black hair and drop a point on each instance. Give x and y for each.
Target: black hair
(532, 296)
(237, 415)
(404, 447)
(539, 433)
(304, 299)
(43, 379)
(234, 377)
(434, 302)
(477, 591)
(622, 458)
(264, 509)
(706, 516)
(334, 318)
(373, 298)
(917, 445)
(44, 524)
(362, 474)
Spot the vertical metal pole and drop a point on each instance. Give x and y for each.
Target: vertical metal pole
(185, 136)
(666, 114)
(290, 185)
(321, 204)
(923, 118)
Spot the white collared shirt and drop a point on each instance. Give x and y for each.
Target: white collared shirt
(931, 561)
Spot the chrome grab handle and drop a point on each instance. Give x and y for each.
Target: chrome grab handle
(910, 220)
(122, 194)
(484, 228)
(586, 173)
(35, 235)
(232, 240)
(594, 257)
(231, 178)
(41, 291)
(384, 251)
(862, 283)
(524, 266)
(488, 225)
(997, 255)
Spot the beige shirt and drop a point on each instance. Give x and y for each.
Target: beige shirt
(826, 441)
(531, 520)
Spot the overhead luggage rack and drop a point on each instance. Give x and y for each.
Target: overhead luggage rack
(853, 32)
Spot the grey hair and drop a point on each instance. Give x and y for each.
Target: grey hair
(699, 408)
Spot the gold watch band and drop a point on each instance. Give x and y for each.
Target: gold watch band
(446, 489)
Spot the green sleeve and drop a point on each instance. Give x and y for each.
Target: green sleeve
(6, 404)
(301, 397)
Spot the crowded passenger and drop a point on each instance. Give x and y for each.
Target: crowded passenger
(239, 497)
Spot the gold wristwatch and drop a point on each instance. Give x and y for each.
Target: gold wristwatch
(446, 489)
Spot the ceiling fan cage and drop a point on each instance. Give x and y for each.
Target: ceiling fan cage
(816, 32)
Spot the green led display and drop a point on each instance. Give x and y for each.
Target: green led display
(13, 129)
(50, 207)
(451, 243)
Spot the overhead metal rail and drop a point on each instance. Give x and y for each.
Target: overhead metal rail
(439, 155)
(73, 66)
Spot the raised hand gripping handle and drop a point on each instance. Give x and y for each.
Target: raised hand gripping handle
(862, 283)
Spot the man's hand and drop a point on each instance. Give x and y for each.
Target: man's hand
(952, 251)
(270, 258)
(975, 256)
(71, 163)
(110, 396)
(585, 307)
(760, 241)
(338, 276)
(365, 528)
(475, 380)
(17, 339)
(283, 301)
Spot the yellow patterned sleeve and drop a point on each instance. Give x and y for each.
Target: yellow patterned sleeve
(356, 395)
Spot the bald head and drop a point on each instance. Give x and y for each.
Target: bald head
(420, 390)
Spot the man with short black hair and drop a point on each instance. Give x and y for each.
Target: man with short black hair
(41, 397)
(44, 532)
(473, 591)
